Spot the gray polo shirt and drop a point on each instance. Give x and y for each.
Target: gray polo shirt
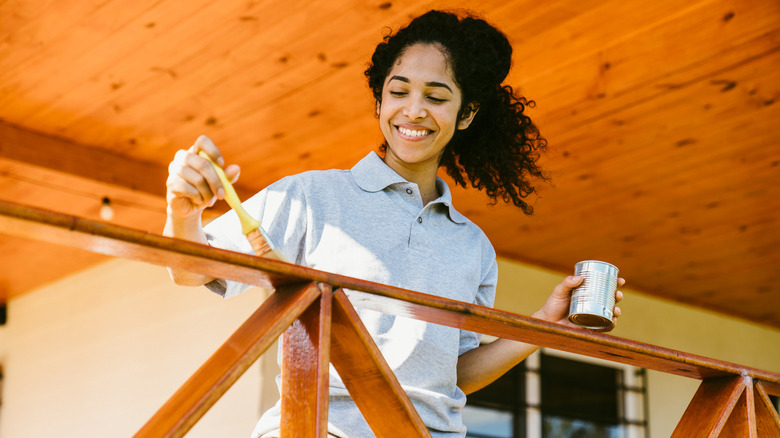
(370, 223)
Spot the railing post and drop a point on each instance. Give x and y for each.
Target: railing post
(305, 362)
(229, 362)
(721, 405)
(368, 378)
(767, 418)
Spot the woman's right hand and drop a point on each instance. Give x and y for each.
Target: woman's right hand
(192, 183)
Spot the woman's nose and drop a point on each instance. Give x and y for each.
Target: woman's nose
(415, 109)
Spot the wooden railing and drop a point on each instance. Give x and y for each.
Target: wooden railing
(320, 326)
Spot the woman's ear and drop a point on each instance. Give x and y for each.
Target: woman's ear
(378, 107)
(468, 115)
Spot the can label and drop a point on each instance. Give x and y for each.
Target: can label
(593, 300)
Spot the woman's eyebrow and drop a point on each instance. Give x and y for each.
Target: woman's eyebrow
(428, 84)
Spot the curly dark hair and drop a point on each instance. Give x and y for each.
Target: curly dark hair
(499, 152)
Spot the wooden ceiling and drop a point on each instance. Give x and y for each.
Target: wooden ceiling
(661, 118)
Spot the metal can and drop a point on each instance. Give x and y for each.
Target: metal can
(593, 300)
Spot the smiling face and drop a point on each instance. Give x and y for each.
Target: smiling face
(418, 114)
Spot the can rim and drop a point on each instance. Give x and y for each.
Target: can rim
(597, 261)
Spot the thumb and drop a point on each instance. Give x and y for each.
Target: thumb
(563, 289)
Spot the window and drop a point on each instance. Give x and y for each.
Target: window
(559, 395)
(498, 410)
(579, 399)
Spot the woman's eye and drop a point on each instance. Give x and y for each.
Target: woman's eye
(398, 93)
(436, 99)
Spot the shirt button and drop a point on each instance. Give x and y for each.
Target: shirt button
(409, 191)
(419, 220)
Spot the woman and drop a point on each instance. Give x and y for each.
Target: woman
(440, 102)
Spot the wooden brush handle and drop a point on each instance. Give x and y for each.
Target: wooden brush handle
(248, 223)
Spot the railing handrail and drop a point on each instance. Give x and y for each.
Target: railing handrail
(123, 242)
(127, 243)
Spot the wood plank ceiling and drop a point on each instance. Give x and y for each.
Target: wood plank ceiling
(661, 117)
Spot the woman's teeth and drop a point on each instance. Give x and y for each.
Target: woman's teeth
(413, 133)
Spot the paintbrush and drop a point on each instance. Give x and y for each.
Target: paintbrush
(250, 226)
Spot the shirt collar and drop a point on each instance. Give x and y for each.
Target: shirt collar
(373, 175)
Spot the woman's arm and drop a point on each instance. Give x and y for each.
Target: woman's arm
(192, 186)
(481, 366)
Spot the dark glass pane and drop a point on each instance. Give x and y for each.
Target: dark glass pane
(506, 393)
(576, 390)
(487, 423)
(498, 410)
(560, 427)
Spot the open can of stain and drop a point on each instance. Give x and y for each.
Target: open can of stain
(593, 300)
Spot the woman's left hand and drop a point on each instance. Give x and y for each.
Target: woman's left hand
(556, 308)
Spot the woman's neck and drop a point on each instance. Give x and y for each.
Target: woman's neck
(422, 175)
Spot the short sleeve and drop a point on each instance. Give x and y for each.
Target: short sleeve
(281, 210)
(486, 295)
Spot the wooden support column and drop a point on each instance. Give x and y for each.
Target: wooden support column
(230, 361)
(742, 421)
(305, 362)
(368, 377)
(712, 406)
(767, 418)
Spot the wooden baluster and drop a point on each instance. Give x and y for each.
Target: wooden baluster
(742, 421)
(305, 361)
(229, 362)
(710, 408)
(368, 377)
(767, 418)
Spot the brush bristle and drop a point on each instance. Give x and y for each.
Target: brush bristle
(262, 247)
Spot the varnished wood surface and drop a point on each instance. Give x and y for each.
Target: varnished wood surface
(710, 408)
(229, 362)
(305, 380)
(729, 407)
(660, 117)
(122, 242)
(767, 417)
(368, 378)
(742, 421)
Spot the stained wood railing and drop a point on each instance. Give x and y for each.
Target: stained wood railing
(320, 326)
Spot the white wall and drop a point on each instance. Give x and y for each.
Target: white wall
(95, 355)
(98, 353)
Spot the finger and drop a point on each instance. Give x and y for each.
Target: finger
(183, 184)
(204, 177)
(232, 172)
(207, 185)
(205, 144)
(616, 312)
(621, 281)
(177, 185)
(618, 296)
(186, 178)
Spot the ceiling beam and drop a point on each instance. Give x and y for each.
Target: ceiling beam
(58, 160)
(63, 156)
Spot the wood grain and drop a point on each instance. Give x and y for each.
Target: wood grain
(742, 421)
(230, 361)
(767, 417)
(122, 242)
(368, 378)
(305, 363)
(710, 408)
